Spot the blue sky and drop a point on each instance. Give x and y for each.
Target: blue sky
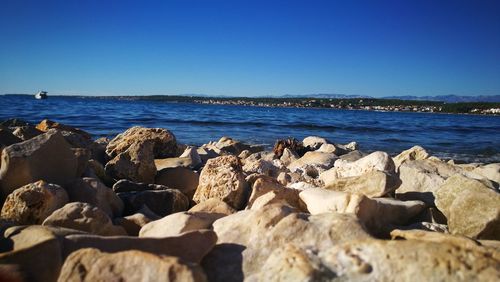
(250, 48)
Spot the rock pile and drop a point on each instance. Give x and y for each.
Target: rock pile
(142, 207)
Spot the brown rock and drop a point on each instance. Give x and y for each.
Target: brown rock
(182, 179)
(34, 202)
(161, 202)
(177, 223)
(136, 163)
(133, 223)
(26, 132)
(371, 184)
(213, 206)
(264, 185)
(412, 154)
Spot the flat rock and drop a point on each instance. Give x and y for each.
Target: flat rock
(314, 142)
(471, 206)
(184, 162)
(263, 186)
(489, 171)
(314, 158)
(84, 217)
(92, 265)
(412, 154)
(164, 142)
(213, 206)
(182, 179)
(45, 157)
(93, 191)
(136, 163)
(34, 202)
(176, 224)
(371, 184)
(161, 202)
(222, 178)
(133, 223)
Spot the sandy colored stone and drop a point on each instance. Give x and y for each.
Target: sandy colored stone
(412, 154)
(314, 142)
(34, 202)
(182, 179)
(214, 206)
(371, 184)
(314, 158)
(222, 178)
(264, 185)
(84, 217)
(92, 265)
(45, 157)
(136, 163)
(176, 224)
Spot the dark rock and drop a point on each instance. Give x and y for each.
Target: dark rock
(161, 202)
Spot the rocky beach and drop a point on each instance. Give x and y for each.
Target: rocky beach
(143, 207)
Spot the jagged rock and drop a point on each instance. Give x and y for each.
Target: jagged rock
(96, 170)
(92, 191)
(213, 206)
(82, 159)
(164, 142)
(376, 161)
(45, 125)
(472, 207)
(93, 265)
(222, 178)
(261, 167)
(176, 224)
(288, 156)
(182, 179)
(290, 143)
(34, 202)
(377, 214)
(136, 163)
(412, 154)
(26, 132)
(234, 147)
(192, 154)
(244, 154)
(328, 148)
(161, 202)
(287, 195)
(489, 171)
(45, 157)
(14, 122)
(208, 152)
(371, 184)
(317, 159)
(314, 142)
(84, 217)
(190, 246)
(247, 238)
(7, 138)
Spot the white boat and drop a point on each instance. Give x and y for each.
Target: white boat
(41, 95)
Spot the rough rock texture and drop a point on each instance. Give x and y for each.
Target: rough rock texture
(288, 156)
(136, 163)
(192, 154)
(412, 154)
(261, 166)
(84, 217)
(377, 213)
(161, 202)
(235, 147)
(319, 160)
(7, 138)
(26, 132)
(92, 265)
(376, 161)
(45, 157)
(314, 142)
(177, 223)
(164, 143)
(471, 207)
(222, 178)
(190, 246)
(371, 184)
(45, 125)
(287, 195)
(92, 191)
(34, 202)
(180, 162)
(125, 185)
(213, 206)
(247, 238)
(182, 179)
(489, 171)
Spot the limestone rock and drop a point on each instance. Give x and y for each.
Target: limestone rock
(161, 202)
(84, 217)
(261, 166)
(222, 178)
(182, 179)
(213, 206)
(471, 207)
(136, 163)
(176, 224)
(92, 191)
(125, 185)
(489, 171)
(164, 142)
(189, 246)
(318, 159)
(180, 162)
(412, 154)
(376, 161)
(192, 154)
(92, 265)
(34, 202)
(45, 125)
(263, 185)
(377, 213)
(314, 142)
(371, 184)
(133, 223)
(288, 156)
(45, 157)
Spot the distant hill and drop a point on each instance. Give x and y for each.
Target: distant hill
(441, 98)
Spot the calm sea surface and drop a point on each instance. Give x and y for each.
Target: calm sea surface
(461, 137)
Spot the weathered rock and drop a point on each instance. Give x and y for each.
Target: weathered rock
(261, 167)
(182, 179)
(213, 206)
(314, 142)
(34, 202)
(353, 156)
(435, 237)
(125, 185)
(234, 147)
(176, 224)
(183, 162)
(376, 161)
(371, 184)
(190, 246)
(84, 217)
(82, 159)
(193, 155)
(133, 223)
(164, 143)
(45, 125)
(7, 138)
(14, 122)
(161, 202)
(288, 156)
(92, 191)
(45, 157)
(222, 178)
(471, 207)
(26, 132)
(264, 185)
(96, 170)
(290, 143)
(489, 171)
(412, 154)
(208, 152)
(377, 214)
(381, 260)
(318, 159)
(136, 163)
(328, 148)
(93, 265)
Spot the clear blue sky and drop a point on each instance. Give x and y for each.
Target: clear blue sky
(250, 48)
